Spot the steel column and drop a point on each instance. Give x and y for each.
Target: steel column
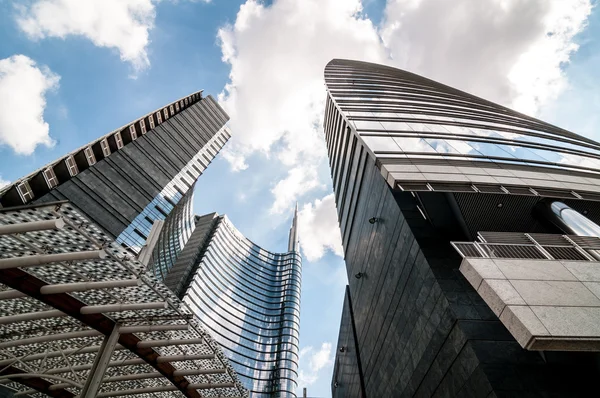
(94, 379)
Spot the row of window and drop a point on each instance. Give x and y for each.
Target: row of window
(53, 175)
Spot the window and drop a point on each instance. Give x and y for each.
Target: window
(166, 113)
(105, 147)
(177, 106)
(25, 191)
(172, 110)
(89, 155)
(50, 177)
(181, 103)
(132, 132)
(71, 165)
(185, 102)
(143, 126)
(119, 140)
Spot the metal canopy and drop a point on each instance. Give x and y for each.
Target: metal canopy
(78, 313)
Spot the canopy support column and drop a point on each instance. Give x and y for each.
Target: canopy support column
(94, 379)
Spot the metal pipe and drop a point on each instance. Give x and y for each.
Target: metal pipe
(163, 343)
(134, 391)
(29, 375)
(193, 372)
(43, 259)
(205, 386)
(178, 358)
(99, 309)
(32, 226)
(137, 376)
(151, 328)
(31, 316)
(11, 294)
(84, 286)
(101, 362)
(77, 368)
(51, 337)
(54, 354)
(568, 220)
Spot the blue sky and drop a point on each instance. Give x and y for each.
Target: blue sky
(95, 65)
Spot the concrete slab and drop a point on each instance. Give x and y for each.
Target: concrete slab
(555, 293)
(534, 270)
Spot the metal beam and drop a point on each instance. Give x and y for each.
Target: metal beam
(11, 294)
(50, 337)
(194, 372)
(77, 368)
(177, 358)
(9, 229)
(36, 383)
(206, 386)
(101, 362)
(99, 309)
(84, 286)
(44, 259)
(153, 328)
(135, 391)
(20, 280)
(163, 343)
(31, 316)
(53, 354)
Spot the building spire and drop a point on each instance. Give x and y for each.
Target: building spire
(293, 242)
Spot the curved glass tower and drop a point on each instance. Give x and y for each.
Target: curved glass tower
(249, 300)
(466, 229)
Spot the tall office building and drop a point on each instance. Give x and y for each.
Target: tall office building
(470, 234)
(135, 175)
(248, 299)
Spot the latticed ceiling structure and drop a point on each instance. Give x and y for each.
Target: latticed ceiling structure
(79, 317)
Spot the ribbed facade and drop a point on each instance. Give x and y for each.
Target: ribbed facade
(136, 174)
(249, 300)
(416, 165)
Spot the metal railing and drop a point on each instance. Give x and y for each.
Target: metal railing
(530, 246)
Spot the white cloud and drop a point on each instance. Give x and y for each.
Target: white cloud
(3, 183)
(507, 51)
(275, 95)
(120, 24)
(277, 54)
(318, 228)
(23, 88)
(312, 362)
(299, 180)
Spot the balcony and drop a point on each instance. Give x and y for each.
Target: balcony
(544, 288)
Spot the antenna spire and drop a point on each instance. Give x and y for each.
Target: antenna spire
(293, 242)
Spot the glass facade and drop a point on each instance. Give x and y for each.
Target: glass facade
(249, 300)
(404, 119)
(422, 173)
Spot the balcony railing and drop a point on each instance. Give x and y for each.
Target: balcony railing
(531, 246)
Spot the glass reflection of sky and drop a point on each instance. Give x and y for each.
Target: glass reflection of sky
(249, 300)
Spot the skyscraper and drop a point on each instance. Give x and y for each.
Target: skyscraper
(248, 299)
(470, 234)
(137, 174)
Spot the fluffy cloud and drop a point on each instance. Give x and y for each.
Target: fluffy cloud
(120, 24)
(311, 363)
(318, 228)
(23, 88)
(275, 95)
(299, 180)
(3, 183)
(508, 51)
